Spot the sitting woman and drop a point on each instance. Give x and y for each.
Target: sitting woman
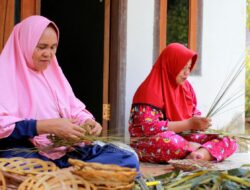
(164, 106)
(36, 100)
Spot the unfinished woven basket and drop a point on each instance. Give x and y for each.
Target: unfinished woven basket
(59, 180)
(26, 166)
(105, 176)
(190, 164)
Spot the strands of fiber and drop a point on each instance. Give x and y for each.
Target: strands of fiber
(219, 103)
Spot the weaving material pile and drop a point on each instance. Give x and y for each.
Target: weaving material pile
(35, 174)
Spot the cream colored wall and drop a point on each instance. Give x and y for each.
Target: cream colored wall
(223, 45)
(139, 47)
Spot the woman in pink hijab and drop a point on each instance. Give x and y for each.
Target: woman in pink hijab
(36, 100)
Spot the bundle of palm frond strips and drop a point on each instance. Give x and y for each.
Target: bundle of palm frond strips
(86, 138)
(105, 176)
(206, 179)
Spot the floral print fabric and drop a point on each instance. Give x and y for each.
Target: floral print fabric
(154, 143)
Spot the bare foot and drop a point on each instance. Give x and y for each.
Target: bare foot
(200, 154)
(194, 146)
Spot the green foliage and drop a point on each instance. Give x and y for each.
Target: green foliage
(177, 21)
(247, 98)
(248, 14)
(236, 179)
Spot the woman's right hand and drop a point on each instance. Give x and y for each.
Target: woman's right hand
(61, 127)
(199, 123)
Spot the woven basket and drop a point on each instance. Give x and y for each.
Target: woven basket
(105, 176)
(190, 164)
(2, 181)
(13, 180)
(26, 166)
(59, 180)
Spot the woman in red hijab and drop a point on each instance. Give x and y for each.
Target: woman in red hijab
(164, 106)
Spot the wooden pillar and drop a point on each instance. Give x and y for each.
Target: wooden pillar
(192, 28)
(30, 7)
(163, 24)
(106, 105)
(7, 15)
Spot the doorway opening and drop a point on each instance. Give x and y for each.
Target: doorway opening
(80, 51)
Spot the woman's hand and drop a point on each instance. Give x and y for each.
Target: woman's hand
(199, 123)
(95, 128)
(61, 127)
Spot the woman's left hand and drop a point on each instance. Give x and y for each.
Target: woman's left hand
(95, 128)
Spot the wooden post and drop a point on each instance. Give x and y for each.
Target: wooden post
(106, 69)
(192, 28)
(30, 7)
(7, 12)
(163, 24)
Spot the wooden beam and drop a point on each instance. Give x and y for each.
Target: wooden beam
(105, 98)
(118, 29)
(7, 13)
(163, 24)
(30, 7)
(192, 33)
(3, 11)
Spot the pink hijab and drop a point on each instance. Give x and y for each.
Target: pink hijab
(28, 94)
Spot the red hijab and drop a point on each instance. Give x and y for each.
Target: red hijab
(160, 88)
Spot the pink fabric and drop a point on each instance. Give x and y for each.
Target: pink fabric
(27, 94)
(161, 145)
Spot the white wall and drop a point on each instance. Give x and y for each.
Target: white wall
(139, 47)
(223, 44)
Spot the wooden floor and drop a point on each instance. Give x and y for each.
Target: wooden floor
(235, 161)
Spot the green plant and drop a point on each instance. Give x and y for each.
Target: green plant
(248, 14)
(177, 21)
(247, 100)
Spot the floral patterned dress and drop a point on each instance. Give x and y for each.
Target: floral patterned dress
(153, 142)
